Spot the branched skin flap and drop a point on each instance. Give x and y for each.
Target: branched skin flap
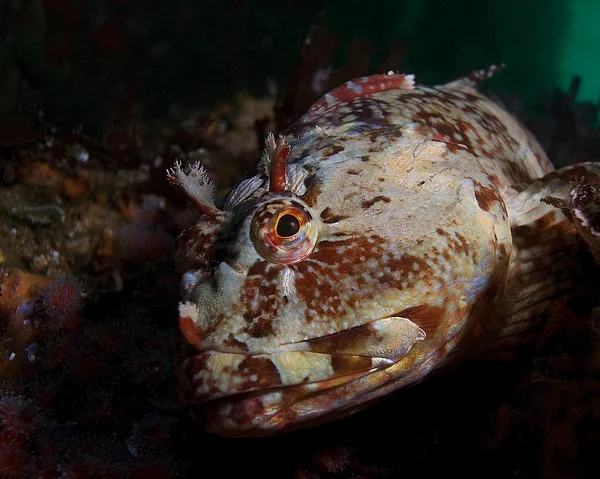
(373, 245)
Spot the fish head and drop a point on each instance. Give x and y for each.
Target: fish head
(333, 279)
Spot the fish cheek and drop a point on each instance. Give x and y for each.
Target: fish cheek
(330, 281)
(342, 277)
(315, 287)
(261, 299)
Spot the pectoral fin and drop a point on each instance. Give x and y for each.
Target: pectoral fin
(582, 208)
(548, 218)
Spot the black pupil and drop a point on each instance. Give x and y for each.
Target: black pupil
(288, 225)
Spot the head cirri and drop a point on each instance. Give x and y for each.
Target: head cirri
(353, 263)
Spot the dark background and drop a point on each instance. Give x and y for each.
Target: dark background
(76, 59)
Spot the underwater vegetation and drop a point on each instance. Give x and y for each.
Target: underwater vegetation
(95, 103)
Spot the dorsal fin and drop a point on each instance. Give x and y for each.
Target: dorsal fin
(363, 86)
(476, 77)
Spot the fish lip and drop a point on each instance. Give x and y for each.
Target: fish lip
(201, 375)
(274, 410)
(245, 414)
(211, 373)
(294, 407)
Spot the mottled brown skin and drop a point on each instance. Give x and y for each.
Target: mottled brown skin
(421, 239)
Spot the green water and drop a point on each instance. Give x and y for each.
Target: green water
(580, 49)
(189, 53)
(544, 43)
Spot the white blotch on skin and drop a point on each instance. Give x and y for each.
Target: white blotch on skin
(271, 399)
(188, 310)
(288, 283)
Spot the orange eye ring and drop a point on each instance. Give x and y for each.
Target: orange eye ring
(283, 231)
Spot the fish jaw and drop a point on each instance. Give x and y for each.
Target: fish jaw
(268, 393)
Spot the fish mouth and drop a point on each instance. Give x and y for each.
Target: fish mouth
(283, 409)
(243, 394)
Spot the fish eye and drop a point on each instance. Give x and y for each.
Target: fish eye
(283, 231)
(288, 225)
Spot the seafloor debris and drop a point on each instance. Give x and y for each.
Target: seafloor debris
(88, 327)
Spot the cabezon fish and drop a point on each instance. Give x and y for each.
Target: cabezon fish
(392, 229)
